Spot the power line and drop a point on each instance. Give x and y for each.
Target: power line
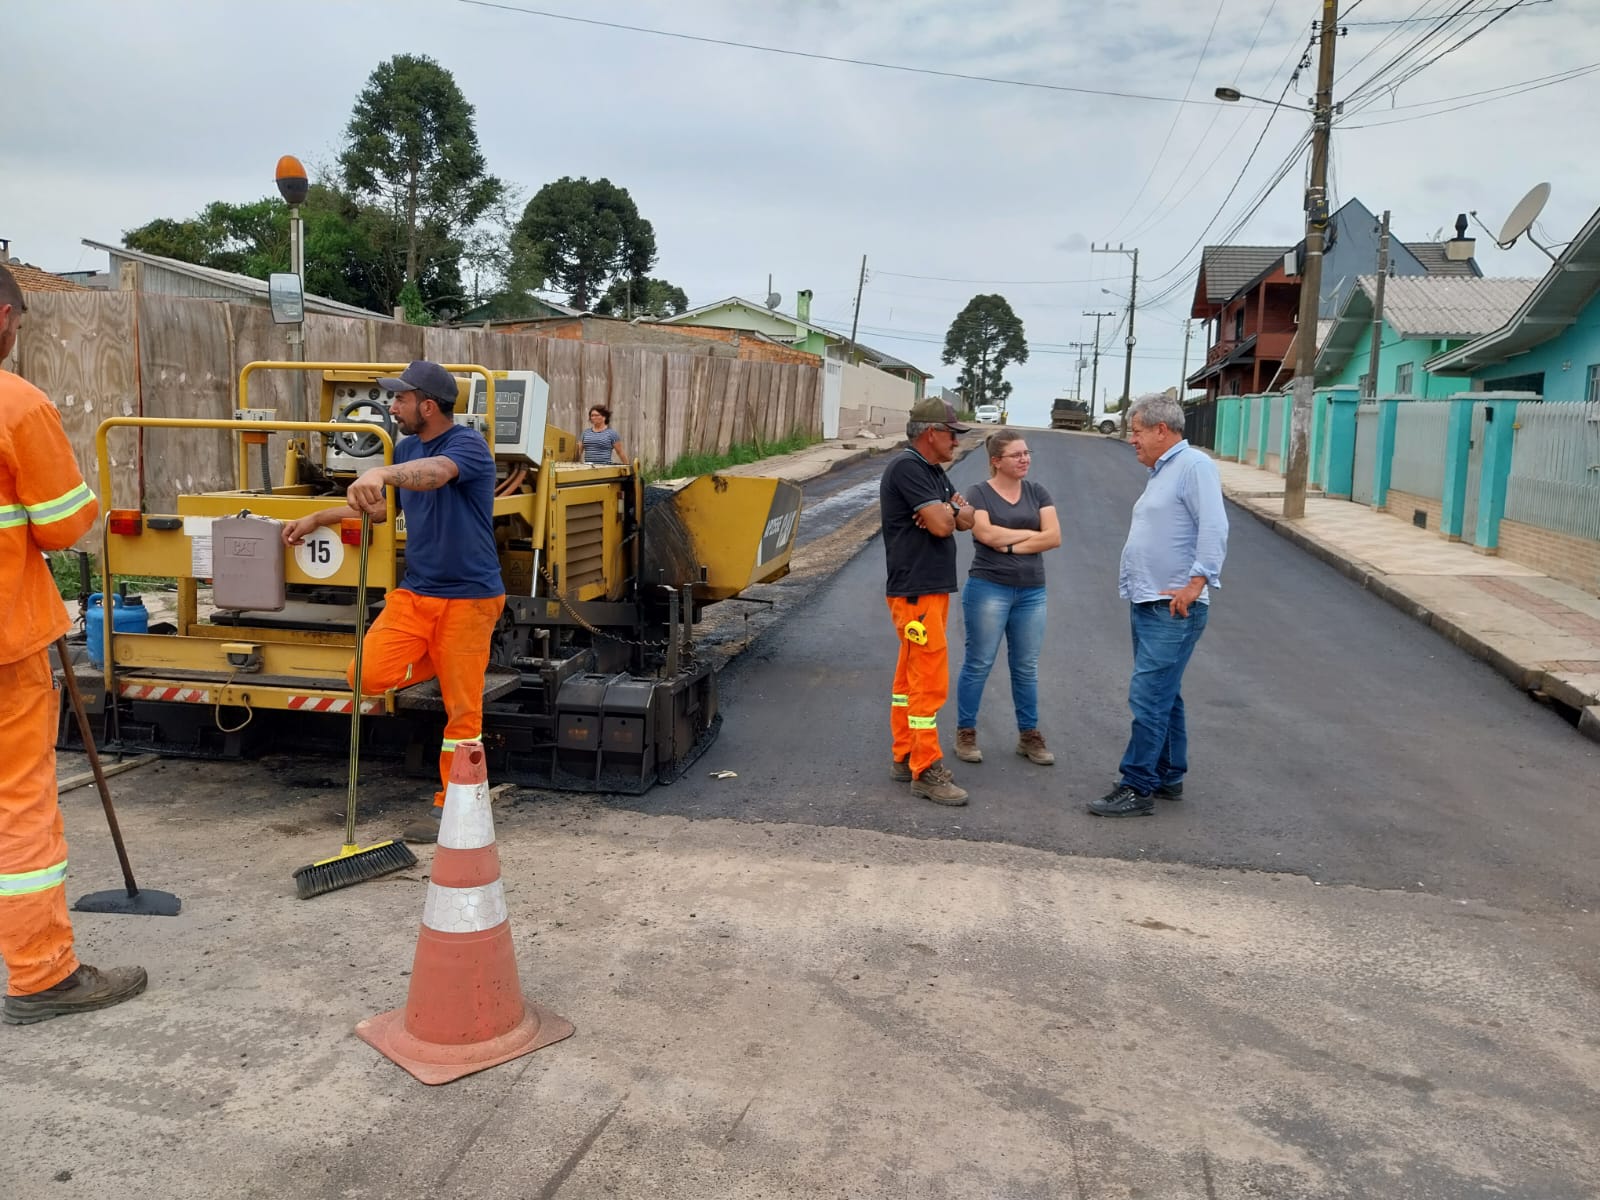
(1411, 20)
(1160, 212)
(1532, 87)
(1177, 115)
(833, 58)
(1500, 15)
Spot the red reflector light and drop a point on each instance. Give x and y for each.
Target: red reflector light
(350, 531)
(125, 520)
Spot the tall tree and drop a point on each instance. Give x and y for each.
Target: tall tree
(411, 150)
(986, 338)
(635, 297)
(579, 234)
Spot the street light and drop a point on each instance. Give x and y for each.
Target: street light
(1234, 95)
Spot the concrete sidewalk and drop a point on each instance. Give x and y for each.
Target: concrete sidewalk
(1541, 633)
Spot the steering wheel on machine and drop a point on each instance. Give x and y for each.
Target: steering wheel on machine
(363, 445)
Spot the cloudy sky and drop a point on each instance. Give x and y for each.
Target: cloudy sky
(751, 163)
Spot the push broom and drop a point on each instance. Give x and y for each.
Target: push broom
(354, 864)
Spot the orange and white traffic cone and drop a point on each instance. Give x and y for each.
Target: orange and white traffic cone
(465, 1011)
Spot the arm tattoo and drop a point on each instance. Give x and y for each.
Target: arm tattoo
(424, 475)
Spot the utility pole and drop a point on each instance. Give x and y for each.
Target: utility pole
(1077, 387)
(1371, 389)
(1294, 480)
(1133, 303)
(855, 321)
(1183, 375)
(1094, 372)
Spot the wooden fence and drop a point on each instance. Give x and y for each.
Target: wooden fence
(99, 354)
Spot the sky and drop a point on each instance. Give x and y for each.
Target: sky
(750, 163)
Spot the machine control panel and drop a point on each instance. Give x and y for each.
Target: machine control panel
(521, 407)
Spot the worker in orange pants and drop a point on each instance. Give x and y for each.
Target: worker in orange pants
(44, 505)
(418, 638)
(440, 621)
(921, 678)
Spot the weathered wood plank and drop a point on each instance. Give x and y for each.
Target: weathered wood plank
(185, 370)
(679, 405)
(79, 349)
(653, 410)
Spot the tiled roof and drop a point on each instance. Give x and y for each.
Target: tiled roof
(1434, 261)
(1446, 306)
(32, 279)
(1229, 268)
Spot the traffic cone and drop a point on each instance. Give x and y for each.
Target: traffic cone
(465, 1011)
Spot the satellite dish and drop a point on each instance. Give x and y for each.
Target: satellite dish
(1523, 216)
(773, 299)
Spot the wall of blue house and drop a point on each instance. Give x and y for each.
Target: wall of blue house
(1563, 362)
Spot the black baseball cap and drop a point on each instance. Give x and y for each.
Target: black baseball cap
(429, 378)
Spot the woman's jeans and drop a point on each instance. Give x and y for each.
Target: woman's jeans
(989, 611)
(1158, 750)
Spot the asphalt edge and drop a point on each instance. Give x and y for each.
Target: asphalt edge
(1536, 681)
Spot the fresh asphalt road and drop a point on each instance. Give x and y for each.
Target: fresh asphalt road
(1330, 736)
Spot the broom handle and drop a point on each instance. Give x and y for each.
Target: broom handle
(69, 677)
(355, 706)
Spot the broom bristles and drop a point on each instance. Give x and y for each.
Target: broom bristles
(351, 869)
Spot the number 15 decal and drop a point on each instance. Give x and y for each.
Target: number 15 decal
(321, 554)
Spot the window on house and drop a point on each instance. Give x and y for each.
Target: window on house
(1364, 384)
(1592, 392)
(1402, 379)
(1238, 326)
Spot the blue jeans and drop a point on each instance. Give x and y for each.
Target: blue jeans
(990, 611)
(1158, 750)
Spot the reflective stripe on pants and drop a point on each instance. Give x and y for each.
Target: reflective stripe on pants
(921, 678)
(417, 638)
(35, 930)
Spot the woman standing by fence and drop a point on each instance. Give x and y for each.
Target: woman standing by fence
(599, 440)
(1004, 595)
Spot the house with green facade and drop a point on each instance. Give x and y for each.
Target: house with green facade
(1423, 316)
(1548, 345)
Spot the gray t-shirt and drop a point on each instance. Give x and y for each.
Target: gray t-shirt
(997, 566)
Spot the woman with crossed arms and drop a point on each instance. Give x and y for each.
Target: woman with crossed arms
(1004, 595)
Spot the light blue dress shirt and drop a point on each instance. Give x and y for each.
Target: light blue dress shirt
(1179, 529)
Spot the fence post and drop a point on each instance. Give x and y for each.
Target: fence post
(1383, 460)
(1265, 431)
(1499, 440)
(1340, 475)
(1457, 453)
(1283, 440)
(1230, 427)
(1244, 427)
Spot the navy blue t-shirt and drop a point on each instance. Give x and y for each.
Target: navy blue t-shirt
(450, 549)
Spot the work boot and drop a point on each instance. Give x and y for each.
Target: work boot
(86, 989)
(938, 785)
(967, 746)
(1030, 744)
(900, 770)
(423, 831)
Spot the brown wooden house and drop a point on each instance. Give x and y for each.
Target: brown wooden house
(1249, 304)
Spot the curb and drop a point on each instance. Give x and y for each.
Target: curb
(1534, 680)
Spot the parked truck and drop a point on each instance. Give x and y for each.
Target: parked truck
(1067, 413)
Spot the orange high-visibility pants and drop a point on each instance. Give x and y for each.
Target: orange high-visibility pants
(921, 679)
(418, 638)
(35, 931)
